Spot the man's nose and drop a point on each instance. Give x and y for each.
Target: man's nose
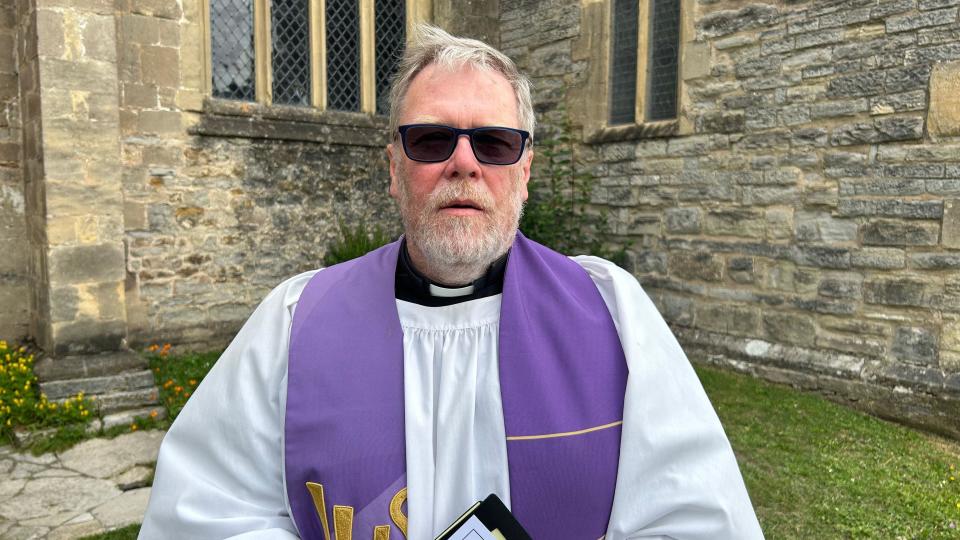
(463, 163)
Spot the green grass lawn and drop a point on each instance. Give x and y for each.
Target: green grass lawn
(814, 469)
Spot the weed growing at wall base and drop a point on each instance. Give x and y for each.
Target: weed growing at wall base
(22, 406)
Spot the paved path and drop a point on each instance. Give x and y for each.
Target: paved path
(95, 486)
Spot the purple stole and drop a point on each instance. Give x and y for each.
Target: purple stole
(562, 381)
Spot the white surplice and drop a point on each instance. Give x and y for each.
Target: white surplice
(220, 471)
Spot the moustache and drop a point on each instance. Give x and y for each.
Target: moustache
(449, 194)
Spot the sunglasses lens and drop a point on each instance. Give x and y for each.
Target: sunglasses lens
(497, 146)
(429, 143)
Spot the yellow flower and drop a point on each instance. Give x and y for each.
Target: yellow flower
(133, 427)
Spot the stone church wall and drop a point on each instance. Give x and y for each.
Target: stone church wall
(804, 221)
(14, 288)
(223, 201)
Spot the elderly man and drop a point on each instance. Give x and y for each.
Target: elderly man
(381, 397)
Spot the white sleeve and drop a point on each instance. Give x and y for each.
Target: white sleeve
(220, 469)
(677, 476)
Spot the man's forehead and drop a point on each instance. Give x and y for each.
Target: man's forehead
(426, 91)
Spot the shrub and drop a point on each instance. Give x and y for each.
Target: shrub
(354, 242)
(21, 403)
(556, 213)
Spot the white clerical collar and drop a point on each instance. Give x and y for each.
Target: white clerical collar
(445, 292)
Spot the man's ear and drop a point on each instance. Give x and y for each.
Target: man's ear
(525, 163)
(394, 186)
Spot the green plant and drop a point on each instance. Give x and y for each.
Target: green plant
(354, 242)
(129, 532)
(177, 377)
(22, 406)
(556, 213)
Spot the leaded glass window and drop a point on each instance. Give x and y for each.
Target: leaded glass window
(389, 29)
(231, 36)
(644, 87)
(623, 64)
(662, 65)
(336, 54)
(343, 55)
(290, 48)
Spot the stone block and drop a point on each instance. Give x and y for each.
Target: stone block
(647, 262)
(891, 208)
(677, 309)
(916, 345)
(64, 303)
(950, 226)
(160, 66)
(140, 30)
(858, 85)
(99, 38)
(779, 223)
(50, 33)
(86, 336)
(894, 103)
(82, 264)
(746, 223)
(884, 129)
(878, 258)
(725, 22)
(883, 232)
(789, 327)
(944, 112)
(695, 266)
(821, 257)
(683, 220)
(731, 319)
(92, 77)
(159, 122)
(858, 345)
(950, 336)
(741, 269)
(903, 291)
(164, 9)
(848, 286)
(140, 96)
(934, 261)
(926, 19)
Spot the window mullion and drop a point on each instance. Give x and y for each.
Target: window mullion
(318, 54)
(417, 11)
(368, 68)
(261, 29)
(643, 57)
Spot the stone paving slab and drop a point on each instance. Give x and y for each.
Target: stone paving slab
(95, 486)
(126, 451)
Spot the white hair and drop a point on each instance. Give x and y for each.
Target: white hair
(431, 45)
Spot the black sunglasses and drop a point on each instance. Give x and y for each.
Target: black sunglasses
(432, 143)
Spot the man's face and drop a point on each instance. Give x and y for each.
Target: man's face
(458, 212)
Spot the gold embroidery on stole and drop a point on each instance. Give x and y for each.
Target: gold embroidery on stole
(343, 516)
(396, 514)
(343, 522)
(381, 532)
(316, 491)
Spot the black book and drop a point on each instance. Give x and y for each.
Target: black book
(493, 514)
